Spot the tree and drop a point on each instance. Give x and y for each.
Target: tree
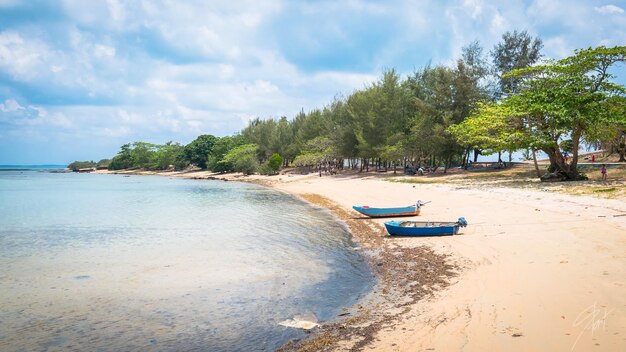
(317, 151)
(611, 136)
(564, 99)
(243, 158)
(123, 159)
(223, 145)
(274, 163)
(435, 110)
(517, 50)
(169, 155)
(103, 163)
(143, 155)
(470, 87)
(199, 149)
(77, 165)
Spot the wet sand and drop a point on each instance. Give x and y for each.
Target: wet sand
(533, 270)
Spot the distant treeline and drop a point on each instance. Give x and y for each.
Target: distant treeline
(506, 100)
(81, 165)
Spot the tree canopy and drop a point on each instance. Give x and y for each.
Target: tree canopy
(565, 99)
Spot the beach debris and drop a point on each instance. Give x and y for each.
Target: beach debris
(306, 321)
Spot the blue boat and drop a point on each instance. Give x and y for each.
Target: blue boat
(424, 228)
(411, 210)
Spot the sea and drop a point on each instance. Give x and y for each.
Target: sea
(94, 262)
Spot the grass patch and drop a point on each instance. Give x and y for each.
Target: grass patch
(594, 190)
(524, 176)
(420, 180)
(604, 190)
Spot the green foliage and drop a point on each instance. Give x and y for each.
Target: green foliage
(103, 163)
(567, 145)
(243, 158)
(77, 165)
(316, 151)
(491, 128)
(123, 159)
(517, 50)
(142, 155)
(274, 163)
(560, 99)
(215, 159)
(168, 156)
(199, 149)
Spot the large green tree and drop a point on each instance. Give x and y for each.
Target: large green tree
(199, 149)
(564, 99)
(243, 158)
(223, 145)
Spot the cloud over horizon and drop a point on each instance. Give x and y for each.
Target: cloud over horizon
(78, 79)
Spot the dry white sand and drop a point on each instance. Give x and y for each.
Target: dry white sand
(541, 271)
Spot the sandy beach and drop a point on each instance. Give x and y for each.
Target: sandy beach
(533, 271)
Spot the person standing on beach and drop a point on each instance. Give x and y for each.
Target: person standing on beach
(603, 171)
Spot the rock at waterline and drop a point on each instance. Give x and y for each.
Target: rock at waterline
(306, 321)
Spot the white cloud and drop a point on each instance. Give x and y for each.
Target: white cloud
(609, 9)
(20, 58)
(15, 114)
(474, 8)
(557, 47)
(104, 51)
(10, 105)
(498, 24)
(60, 120)
(116, 132)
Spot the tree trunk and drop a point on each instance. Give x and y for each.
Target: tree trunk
(557, 160)
(536, 165)
(476, 154)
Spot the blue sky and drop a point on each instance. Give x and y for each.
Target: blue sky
(79, 78)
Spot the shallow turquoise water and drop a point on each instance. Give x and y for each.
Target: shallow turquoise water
(107, 262)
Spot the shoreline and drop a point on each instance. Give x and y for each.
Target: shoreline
(404, 275)
(527, 270)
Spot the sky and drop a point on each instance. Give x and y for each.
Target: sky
(79, 78)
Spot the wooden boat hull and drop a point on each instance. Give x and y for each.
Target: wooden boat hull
(411, 210)
(424, 228)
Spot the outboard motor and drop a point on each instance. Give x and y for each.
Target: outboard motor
(462, 222)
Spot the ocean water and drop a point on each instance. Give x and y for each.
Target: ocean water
(117, 263)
